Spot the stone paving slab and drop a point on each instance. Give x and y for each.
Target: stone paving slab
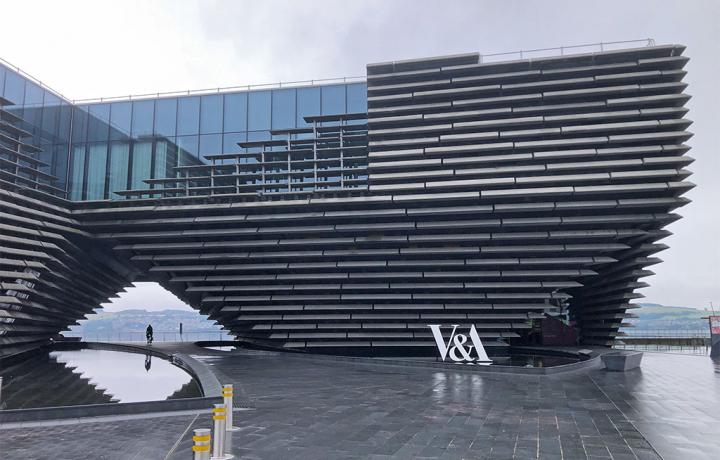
(674, 400)
(309, 409)
(135, 439)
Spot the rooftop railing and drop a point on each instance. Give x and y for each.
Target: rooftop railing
(32, 79)
(225, 89)
(484, 58)
(563, 50)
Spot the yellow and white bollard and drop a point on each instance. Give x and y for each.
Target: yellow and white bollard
(227, 392)
(201, 447)
(218, 441)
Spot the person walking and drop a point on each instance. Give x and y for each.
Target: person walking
(181, 339)
(149, 334)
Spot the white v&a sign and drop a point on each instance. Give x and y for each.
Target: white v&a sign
(458, 348)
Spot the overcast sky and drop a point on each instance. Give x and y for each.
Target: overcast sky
(99, 48)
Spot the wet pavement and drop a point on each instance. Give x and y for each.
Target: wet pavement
(313, 409)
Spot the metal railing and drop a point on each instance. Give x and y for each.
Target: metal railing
(686, 341)
(224, 89)
(694, 347)
(158, 336)
(560, 50)
(667, 333)
(32, 79)
(188, 92)
(484, 58)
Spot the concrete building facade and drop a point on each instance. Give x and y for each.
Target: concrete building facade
(345, 218)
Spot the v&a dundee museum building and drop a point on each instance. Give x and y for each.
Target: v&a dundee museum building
(525, 197)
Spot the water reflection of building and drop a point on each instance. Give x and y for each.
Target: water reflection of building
(77, 377)
(41, 381)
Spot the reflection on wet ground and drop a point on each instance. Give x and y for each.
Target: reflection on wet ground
(668, 409)
(518, 359)
(221, 348)
(333, 409)
(67, 378)
(535, 360)
(674, 400)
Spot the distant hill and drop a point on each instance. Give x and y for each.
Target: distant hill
(652, 316)
(131, 324)
(649, 304)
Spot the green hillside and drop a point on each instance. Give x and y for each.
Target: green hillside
(661, 317)
(131, 324)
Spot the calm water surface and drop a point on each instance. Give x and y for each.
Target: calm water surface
(66, 378)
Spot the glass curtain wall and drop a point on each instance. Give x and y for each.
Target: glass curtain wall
(47, 117)
(149, 138)
(98, 149)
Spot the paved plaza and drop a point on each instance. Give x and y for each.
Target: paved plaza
(300, 408)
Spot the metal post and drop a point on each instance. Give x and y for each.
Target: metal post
(202, 441)
(218, 430)
(228, 395)
(218, 441)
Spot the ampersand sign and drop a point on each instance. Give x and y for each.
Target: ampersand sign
(459, 340)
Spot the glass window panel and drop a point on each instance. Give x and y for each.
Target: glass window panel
(77, 173)
(259, 110)
(357, 98)
(165, 116)
(51, 116)
(308, 103)
(60, 165)
(14, 88)
(211, 114)
(210, 144)
(235, 109)
(142, 118)
(257, 136)
(46, 155)
(230, 142)
(333, 99)
(98, 120)
(96, 165)
(32, 110)
(283, 108)
(278, 148)
(165, 159)
(188, 147)
(64, 122)
(33, 95)
(2, 79)
(230, 145)
(120, 119)
(79, 125)
(119, 161)
(188, 120)
(141, 162)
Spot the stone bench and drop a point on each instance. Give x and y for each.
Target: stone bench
(622, 361)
